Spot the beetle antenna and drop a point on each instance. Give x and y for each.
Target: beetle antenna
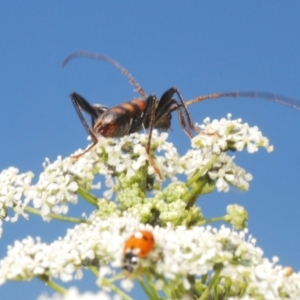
(112, 62)
(262, 95)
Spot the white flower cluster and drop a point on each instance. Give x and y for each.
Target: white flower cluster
(54, 188)
(13, 187)
(178, 252)
(220, 135)
(59, 182)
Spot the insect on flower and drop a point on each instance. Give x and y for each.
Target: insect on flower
(148, 111)
(137, 246)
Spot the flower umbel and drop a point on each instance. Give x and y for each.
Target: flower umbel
(189, 260)
(179, 253)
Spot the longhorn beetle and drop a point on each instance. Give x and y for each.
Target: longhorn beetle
(147, 112)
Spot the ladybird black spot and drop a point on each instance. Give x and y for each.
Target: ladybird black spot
(146, 238)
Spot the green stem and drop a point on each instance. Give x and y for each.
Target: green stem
(202, 171)
(116, 290)
(214, 280)
(204, 278)
(94, 270)
(148, 291)
(90, 198)
(153, 290)
(55, 216)
(109, 284)
(194, 194)
(166, 289)
(212, 220)
(56, 287)
(145, 288)
(198, 186)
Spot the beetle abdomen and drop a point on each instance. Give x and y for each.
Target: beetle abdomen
(118, 121)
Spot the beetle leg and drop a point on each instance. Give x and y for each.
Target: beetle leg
(81, 104)
(167, 105)
(151, 103)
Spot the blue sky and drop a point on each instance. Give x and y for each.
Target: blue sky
(200, 47)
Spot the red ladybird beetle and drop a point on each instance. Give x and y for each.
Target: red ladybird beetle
(137, 246)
